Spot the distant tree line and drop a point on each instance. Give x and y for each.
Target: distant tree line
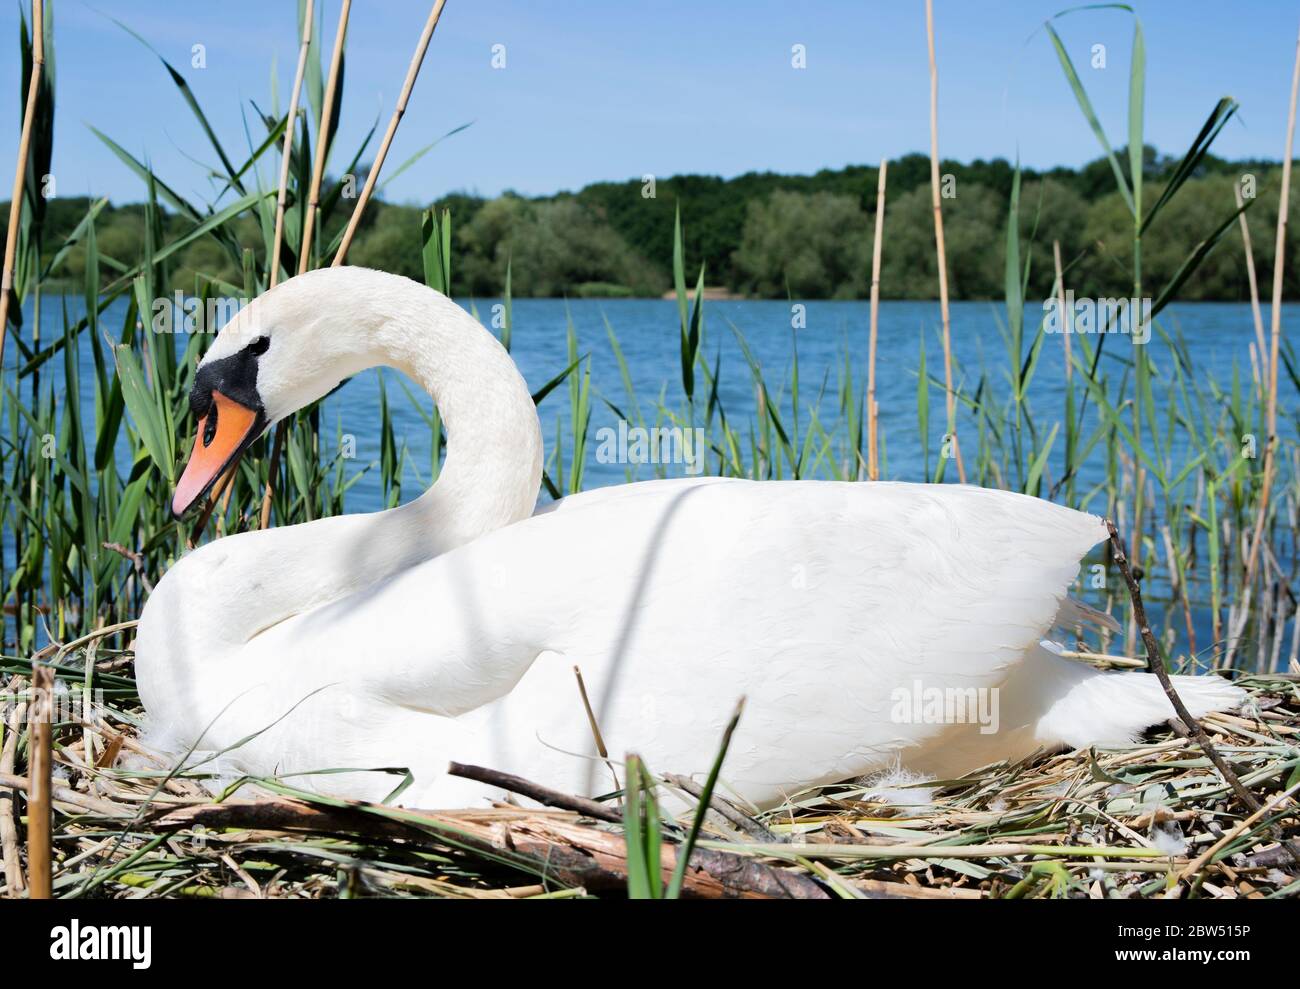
(806, 236)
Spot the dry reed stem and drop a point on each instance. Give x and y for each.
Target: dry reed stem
(1105, 660)
(9, 840)
(223, 489)
(40, 867)
(873, 457)
(20, 168)
(308, 224)
(728, 811)
(69, 796)
(594, 725)
(322, 138)
(1275, 320)
(221, 492)
(1254, 284)
(1060, 300)
(950, 396)
(285, 156)
(597, 737)
(412, 72)
(277, 446)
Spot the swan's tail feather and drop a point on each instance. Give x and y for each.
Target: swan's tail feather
(1114, 708)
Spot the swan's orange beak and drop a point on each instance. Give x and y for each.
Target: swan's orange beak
(226, 430)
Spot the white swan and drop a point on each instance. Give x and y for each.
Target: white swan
(448, 628)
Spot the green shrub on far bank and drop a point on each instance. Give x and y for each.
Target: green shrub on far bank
(769, 235)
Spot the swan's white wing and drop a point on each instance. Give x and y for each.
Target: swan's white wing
(818, 601)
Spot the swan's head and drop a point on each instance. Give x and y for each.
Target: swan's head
(284, 350)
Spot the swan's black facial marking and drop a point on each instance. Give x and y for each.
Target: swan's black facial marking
(234, 376)
(231, 416)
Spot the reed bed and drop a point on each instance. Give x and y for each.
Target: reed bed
(1202, 475)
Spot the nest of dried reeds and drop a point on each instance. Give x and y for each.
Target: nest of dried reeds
(1154, 819)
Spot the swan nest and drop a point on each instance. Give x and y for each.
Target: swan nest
(1153, 819)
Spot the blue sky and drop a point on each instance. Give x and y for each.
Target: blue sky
(610, 90)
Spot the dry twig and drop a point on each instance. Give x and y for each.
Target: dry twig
(1157, 664)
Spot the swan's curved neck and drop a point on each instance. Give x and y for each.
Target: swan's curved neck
(490, 477)
(493, 465)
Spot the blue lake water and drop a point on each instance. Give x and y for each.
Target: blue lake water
(1216, 335)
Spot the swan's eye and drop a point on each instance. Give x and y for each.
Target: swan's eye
(259, 346)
